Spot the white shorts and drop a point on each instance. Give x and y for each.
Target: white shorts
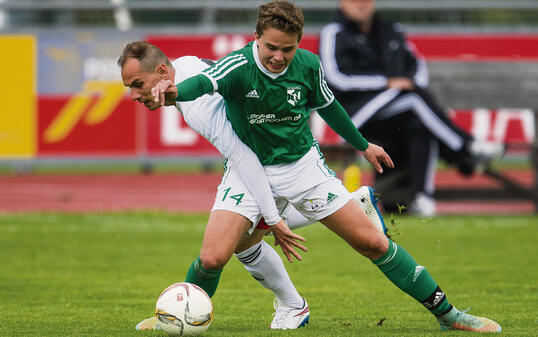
(308, 184)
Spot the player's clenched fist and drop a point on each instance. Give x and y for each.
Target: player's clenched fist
(165, 91)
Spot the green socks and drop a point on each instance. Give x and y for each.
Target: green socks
(205, 279)
(414, 279)
(396, 264)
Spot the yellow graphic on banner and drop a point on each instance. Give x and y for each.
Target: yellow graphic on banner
(78, 108)
(18, 90)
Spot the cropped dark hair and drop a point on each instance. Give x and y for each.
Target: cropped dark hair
(282, 15)
(149, 55)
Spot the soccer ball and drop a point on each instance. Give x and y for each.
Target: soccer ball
(184, 309)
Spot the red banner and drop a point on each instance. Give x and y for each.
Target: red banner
(101, 121)
(168, 134)
(72, 132)
(446, 47)
(478, 47)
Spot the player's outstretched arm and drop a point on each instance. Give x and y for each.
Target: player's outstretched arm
(165, 91)
(249, 168)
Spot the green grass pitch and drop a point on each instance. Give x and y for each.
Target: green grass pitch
(99, 274)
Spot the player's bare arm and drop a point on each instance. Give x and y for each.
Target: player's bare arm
(376, 155)
(165, 91)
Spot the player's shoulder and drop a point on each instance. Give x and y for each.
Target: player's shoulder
(246, 50)
(231, 65)
(242, 55)
(306, 58)
(187, 66)
(187, 61)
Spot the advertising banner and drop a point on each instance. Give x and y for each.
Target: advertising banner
(98, 121)
(74, 103)
(84, 110)
(18, 90)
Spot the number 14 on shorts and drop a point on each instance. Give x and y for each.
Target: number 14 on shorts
(237, 197)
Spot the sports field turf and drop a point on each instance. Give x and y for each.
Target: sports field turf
(99, 274)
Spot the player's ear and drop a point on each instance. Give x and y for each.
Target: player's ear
(162, 70)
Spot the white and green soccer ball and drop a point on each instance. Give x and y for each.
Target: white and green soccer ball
(184, 309)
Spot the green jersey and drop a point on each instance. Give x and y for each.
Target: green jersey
(269, 111)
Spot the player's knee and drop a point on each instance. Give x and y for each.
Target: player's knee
(377, 246)
(212, 261)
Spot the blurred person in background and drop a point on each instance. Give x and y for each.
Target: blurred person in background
(382, 82)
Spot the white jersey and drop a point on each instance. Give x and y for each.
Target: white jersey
(207, 116)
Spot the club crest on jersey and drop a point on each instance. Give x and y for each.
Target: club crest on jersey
(294, 95)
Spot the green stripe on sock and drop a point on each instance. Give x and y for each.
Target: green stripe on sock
(414, 279)
(205, 279)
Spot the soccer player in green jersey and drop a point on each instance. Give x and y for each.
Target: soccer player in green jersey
(270, 86)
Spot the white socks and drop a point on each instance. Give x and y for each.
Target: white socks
(265, 265)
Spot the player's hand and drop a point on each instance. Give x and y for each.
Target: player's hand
(402, 83)
(376, 155)
(286, 239)
(164, 92)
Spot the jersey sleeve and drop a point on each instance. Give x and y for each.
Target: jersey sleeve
(253, 176)
(337, 118)
(226, 75)
(192, 88)
(321, 95)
